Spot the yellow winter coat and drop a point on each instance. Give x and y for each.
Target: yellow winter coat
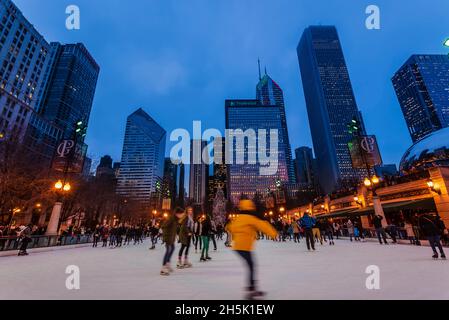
(244, 230)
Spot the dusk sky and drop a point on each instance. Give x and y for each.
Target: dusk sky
(179, 60)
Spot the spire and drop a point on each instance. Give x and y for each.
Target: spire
(258, 62)
(266, 70)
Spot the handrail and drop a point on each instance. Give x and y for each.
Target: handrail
(8, 243)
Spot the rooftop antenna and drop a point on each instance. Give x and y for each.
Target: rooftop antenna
(258, 62)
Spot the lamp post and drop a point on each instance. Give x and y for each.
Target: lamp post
(371, 184)
(60, 188)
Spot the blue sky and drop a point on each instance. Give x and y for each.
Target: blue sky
(180, 59)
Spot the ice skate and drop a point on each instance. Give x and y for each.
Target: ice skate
(202, 259)
(180, 265)
(169, 268)
(435, 256)
(165, 271)
(187, 264)
(443, 256)
(254, 294)
(208, 258)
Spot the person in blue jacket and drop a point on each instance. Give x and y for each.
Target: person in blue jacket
(307, 222)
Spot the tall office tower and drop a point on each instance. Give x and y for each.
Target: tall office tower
(181, 186)
(199, 173)
(246, 179)
(304, 166)
(331, 104)
(25, 65)
(142, 164)
(104, 168)
(169, 187)
(422, 88)
(268, 93)
(70, 91)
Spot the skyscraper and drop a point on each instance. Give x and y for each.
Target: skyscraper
(43, 87)
(330, 104)
(181, 187)
(304, 166)
(246, 179)
(268, 93)
(70, 91)
(169, 183)
(25, 65)
(422, 88)
(142, 164)
(104, 168)
(199, 173)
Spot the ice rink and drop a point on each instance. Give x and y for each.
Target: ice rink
(285, 270)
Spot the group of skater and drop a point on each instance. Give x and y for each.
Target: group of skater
(118, 236)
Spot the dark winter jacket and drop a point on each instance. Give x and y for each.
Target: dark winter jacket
(428, 226)
(185, 231)
(206, 227)
(377, 221)
(169, 230)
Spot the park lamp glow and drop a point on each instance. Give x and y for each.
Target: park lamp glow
(367, 182)
(58, 185)
(67, 187)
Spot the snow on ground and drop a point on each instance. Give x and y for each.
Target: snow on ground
(285, 270)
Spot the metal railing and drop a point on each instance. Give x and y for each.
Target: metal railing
(9, 243)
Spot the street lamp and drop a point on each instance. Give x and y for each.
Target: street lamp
(435, 187)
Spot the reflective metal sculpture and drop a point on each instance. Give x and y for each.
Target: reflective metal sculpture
(431, 151)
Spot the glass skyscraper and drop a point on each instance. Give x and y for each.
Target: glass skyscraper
(330, 104)
(25, 65)
(44, 88)
(245, 179)
(142, 164)
(422, 88)
(268, 93)
(304, 162)
(71, 88)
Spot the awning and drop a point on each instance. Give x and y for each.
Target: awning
(335, 214)
(427, 203)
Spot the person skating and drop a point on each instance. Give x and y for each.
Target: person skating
(307, 222)
(25, 238)
(185, 237)
(169, 236)
(377, 221)
(206, 229)
(350, 228)
(329, 230)
(431, 230)
(244, 229)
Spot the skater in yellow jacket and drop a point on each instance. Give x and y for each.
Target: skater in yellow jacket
(244, 230)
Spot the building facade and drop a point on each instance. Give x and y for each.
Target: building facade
(246, 179)
(70, 91)
(269, 93)
(330, 103)
(304, 163)
(199, 173)
(422, 88)
(25, 65)
(142, 165)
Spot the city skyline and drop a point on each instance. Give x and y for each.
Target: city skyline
(225, 76)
